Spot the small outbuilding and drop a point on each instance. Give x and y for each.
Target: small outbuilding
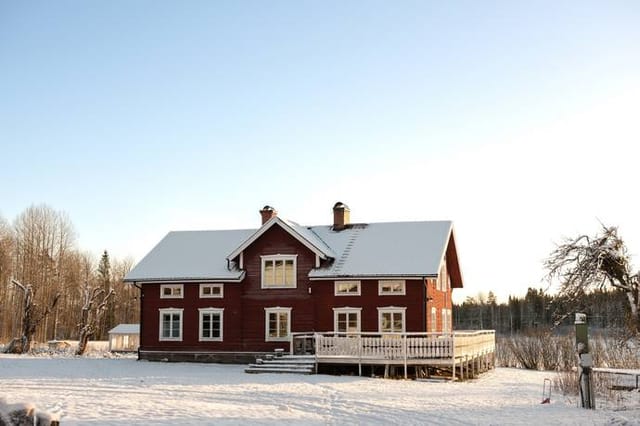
(124, 338)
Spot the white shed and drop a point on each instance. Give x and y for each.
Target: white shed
(124, 338)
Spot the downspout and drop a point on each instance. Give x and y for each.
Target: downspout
(141, 318)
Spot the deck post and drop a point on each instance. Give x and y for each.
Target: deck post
(291, 344)
(453, 358)
(359, 355)
(404, 347)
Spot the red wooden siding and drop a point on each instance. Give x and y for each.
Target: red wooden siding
(311, 303)
(255, 299)
(325, 300)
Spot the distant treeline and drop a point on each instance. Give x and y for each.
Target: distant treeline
(537, 309)
(38, 249)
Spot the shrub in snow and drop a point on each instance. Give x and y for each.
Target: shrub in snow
(24, 414)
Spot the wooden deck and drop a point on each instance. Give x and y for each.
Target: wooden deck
(460, 354)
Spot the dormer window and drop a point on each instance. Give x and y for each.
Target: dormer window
(279, 271)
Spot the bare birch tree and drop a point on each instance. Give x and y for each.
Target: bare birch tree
(43, 238)
(585, 263)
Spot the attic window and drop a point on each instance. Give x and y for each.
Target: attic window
(279, 271)
(171, 291)
(392, 287)
(211, 290)
(347, 288)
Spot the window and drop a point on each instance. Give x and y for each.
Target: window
(391, 320)
(211, 290)
(346, 320)
(210, 324)
(171, 291)
(434, 318)
(277, 324)
(171, 324)
(279, 271)
(394, 287)
(445, 324)
(347, 288)
(443, 277)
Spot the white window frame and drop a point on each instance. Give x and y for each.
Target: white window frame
(383, 283)
(277, 310)
(170, 311)
(273, 258)
(172, 287)
(212, 296)
(338, 284)
(392, 310)
(347, 310)
(207, 311)
(434, 319)
(443, 317)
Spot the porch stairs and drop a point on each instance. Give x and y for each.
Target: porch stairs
(291, 364)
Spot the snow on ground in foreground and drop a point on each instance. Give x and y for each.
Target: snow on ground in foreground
(124, 391)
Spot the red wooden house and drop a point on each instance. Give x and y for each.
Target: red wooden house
(229, 295)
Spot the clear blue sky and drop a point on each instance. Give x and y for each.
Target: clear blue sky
(519, 121)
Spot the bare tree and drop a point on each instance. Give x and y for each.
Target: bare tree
(95, 300)
(586, 263)
(32, 316)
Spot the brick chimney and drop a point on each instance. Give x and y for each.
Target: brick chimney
(340, 216)
(267, 213)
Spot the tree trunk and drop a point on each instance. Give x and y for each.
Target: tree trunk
(633, 304)
(83, 339)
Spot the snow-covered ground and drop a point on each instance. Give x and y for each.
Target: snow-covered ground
(123, 391)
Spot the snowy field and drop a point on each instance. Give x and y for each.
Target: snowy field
(123, 391)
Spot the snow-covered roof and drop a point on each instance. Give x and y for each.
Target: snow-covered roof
(302, 234)
(125, 329)
(394, 249)
(385, 249)
(191, 255)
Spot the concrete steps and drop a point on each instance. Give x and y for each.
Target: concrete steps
(283, 364)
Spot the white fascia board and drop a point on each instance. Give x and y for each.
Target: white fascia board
(271, 222)
(373, 277)
(443, 255)
(189, 280)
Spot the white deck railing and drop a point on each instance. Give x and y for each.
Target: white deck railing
(397, 346)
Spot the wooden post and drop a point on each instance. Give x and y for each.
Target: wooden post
(404, 347)
(585, 363)
(359, 355)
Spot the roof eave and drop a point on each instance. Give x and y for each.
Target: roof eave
(161, 280)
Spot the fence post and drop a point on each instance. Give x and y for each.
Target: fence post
(584, 362)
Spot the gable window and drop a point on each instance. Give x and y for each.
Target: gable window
(434, 318)
(277, 324)
(171, 291)
(392, 287)
(346, 320)
(347, 288)
(391, 319)
(171, 324)
(446, 320)
(210, 324)
(279, 271)
(211, 291)
(443, 277)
